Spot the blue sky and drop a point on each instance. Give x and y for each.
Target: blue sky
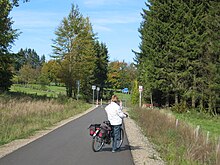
(116, 23)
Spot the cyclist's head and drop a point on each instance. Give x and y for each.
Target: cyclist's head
(115, 99)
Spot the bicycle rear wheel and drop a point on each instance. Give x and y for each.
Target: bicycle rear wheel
(119, 142)
(97, 143)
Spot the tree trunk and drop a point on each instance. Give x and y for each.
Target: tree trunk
(201, 104)
(193, 101)
(176, 99)
(151, 98)
(210, 105)
(193, 93)
(167, 100)
(69, 90)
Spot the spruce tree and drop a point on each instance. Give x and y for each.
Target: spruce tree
(7, 37)
(101, 65)
(179, 54)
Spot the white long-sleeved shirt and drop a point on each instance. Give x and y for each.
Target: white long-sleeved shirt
(114, 113)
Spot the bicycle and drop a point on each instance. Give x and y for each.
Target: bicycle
(102, 134)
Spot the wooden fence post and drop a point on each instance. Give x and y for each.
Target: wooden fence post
(217, 150)
(197, 132)
(207, 138)
(177, 122)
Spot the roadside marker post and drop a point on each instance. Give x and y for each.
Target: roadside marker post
(93, 89)
(97, 102)
(140, 95)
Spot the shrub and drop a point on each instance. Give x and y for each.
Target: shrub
(180, 107)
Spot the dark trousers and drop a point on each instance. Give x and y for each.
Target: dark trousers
(116, 136)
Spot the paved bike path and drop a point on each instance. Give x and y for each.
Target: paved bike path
(70, 145)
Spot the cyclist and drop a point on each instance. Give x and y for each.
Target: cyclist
(115, 116)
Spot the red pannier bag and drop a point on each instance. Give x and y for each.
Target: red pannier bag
(92, 128)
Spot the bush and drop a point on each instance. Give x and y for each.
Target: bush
(180, 108)
(107, 94)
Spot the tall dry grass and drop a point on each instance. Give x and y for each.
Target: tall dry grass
(20, 118)
(177, 142)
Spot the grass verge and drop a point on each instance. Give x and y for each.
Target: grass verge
(178, 143)
(22, 116)
(205, 122)
(46, 90)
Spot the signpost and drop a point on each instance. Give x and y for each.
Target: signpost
(78, 85)
(140, 92)
(97, 102)
(93, 89)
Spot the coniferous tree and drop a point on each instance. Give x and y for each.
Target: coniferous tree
(101, 65)
(180, 51)
(211, 53)
(7, 37)
(135, 94)
(28, 56)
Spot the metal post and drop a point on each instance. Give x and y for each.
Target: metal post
(97, 102)
(140, 91)
(93, 96)
(78, 84)
(140, 99)
(93, 93)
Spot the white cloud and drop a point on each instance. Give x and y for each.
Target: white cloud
(101, 28)
(108, 18)
(103, 2)
(94, 2)
(116, 20)
(31, 20)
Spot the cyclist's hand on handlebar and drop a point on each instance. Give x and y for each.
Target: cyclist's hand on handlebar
(126, 115)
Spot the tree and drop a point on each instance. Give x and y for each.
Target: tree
(51, 70)
(28, 75)
(74, 50)
(131, 75)
(7, 37)
(135, 94)
(113, 75)
(179, 57)
(28, 56)
(210, 53)
(101, 65)
(16, 2)
(121, 75)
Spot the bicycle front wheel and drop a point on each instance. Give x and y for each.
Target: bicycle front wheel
(119, 142)
(97, 143)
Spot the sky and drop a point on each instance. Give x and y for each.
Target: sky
(115, 22)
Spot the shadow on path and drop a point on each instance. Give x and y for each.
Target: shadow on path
(123, 148)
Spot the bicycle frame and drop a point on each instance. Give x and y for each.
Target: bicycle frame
(96, 132)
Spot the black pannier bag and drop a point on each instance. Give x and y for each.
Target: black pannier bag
(105, 131)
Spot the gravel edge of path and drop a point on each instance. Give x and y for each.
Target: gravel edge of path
(142, 150)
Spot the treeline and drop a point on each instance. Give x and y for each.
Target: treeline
(30, 68)
(79, 60)
(179, 58)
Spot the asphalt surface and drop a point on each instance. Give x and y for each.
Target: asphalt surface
(70, 145)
